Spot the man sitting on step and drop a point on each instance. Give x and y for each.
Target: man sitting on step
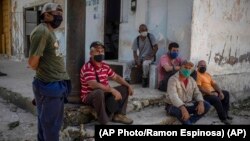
(183, 98)
(109, 103)
(212, 92)
(146, 44)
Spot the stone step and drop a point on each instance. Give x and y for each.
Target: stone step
(152, 115)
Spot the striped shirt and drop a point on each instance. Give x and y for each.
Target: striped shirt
(88, 74)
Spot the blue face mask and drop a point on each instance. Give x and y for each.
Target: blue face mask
(174, 54)
(185, 72)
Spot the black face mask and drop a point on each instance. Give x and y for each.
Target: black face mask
(99, 58)
(57, 21)
(202, 69)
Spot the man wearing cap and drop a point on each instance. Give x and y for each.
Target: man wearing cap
(183, 98)
(108, 102)
(51, 83)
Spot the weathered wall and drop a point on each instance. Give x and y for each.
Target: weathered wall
(17, 14)
(94, 23)
(220, 36)
(168, 20)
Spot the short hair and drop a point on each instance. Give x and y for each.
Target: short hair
(143, 25)
(173, 45)
(187, 62)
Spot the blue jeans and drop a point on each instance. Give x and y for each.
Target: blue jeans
(176, 112)
(50, 107)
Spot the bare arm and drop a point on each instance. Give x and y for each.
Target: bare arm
(114, 92)
(33, 62)
(121, 81)
(204, 91)
(96, 85)
(216, 87)
(169, 68)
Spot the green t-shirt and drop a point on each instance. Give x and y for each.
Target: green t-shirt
(51, 66)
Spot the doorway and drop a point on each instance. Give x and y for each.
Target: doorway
(111, 28)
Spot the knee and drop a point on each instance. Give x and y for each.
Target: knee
(207, 106)
(226, 93)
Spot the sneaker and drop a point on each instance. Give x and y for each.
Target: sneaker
(122, 119)
(226, 122)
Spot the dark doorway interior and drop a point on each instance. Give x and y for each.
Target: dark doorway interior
(31, 21)
(111, 28)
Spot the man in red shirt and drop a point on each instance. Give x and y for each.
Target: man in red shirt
(108, 102)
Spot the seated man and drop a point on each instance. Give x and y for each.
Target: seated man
(212, 92)
(169, 64)
(109, 103)
(183, 98)
(146, 44)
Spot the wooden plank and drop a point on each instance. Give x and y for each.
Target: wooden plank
(3, 44)
(7, 28)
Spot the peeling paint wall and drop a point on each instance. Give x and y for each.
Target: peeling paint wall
(168, 20)
(18, 33)
(94, 23)
(220, 36)
(161, 16)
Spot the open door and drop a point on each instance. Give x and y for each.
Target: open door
(111, 28)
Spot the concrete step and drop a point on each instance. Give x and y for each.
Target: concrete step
(152, 115)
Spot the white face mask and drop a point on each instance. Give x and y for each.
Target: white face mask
(144, 34)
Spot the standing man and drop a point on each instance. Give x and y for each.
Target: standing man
(213, 93)
(183, 98)
(109, 103)
(51, 83)
(146, 44)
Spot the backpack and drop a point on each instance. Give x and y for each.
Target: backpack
(149, 42)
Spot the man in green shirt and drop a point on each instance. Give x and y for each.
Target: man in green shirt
(51, 83)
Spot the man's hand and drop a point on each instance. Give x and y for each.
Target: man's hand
(185, 114)
(200, 108)
(116, 94)
(130, 90)
(214, 93)
(138, 62)
(221, 96)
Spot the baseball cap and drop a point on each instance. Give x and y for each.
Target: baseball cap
(96, 43)
(48, 7)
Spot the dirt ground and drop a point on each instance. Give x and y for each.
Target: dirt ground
(19, 125)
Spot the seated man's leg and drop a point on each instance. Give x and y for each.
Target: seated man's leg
(121, 112)
(216, 102)
(225, 102)
(192, 110)
(97, 99)
(145, 68)
(128, 69)
(176, 112)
